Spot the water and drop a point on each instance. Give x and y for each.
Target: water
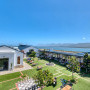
(65, 48)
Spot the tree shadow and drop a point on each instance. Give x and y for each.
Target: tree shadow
(84, 74)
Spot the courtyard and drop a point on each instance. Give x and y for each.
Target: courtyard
(8, 81)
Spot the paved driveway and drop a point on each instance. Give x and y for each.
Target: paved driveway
(26, 67)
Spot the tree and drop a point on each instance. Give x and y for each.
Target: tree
(86, 61)
(30, 51)
(48, 77)
(43, 78)
(43, 53)
(39, 78)
(74, 65)
(33, 54)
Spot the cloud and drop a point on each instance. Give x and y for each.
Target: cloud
(83, 38)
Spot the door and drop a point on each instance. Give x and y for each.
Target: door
(4, 64)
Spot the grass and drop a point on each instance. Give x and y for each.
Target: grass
(82, 85)
(57, 70)
(9, 76)
(8, 85)
(66, 72)
(30, 72)
(58, 83)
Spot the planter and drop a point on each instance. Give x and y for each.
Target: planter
(34, 64)
(1, 68)
(31, 62)
(39, 67)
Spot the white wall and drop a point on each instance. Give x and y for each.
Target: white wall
(6, 52)
(16, 56)
(10, 56)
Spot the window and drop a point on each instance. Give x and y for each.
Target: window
(18, 60)
(22, 51)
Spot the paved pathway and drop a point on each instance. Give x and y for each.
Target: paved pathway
(26, 67)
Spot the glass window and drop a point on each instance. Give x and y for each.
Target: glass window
(18, 60)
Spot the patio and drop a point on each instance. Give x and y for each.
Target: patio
(27, 84)
(25, 67)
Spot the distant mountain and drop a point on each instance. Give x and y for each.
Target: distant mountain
(81, 45)
(78, 45)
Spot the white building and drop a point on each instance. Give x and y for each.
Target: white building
(26, 48)
(10, 58)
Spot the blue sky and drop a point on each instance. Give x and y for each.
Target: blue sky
(44, 21)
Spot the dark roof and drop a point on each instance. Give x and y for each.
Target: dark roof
(21, 47)
(10, 48)
(67, 53)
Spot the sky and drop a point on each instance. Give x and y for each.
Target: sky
(38, 22)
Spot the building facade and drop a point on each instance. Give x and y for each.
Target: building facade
(10, 58)
(62, 56)
(26, 48)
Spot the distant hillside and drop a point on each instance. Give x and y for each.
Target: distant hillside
(78, 45)
(81, 45)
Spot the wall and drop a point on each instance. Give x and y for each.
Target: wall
(10, 56)
(16, 56)
(6, 52)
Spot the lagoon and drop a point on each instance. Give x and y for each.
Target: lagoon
(65, 48)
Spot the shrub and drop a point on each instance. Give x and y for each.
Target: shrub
(73, 80)
(43, 78)
(39, 67)
(33, 54)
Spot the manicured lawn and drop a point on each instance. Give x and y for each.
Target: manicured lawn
(82, 85)
(30, 72)
(57, 70)
(9, 76)
(58, 83)
(8, 85)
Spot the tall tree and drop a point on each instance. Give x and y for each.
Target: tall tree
(74, 65)
(86, 61)
(43, 53)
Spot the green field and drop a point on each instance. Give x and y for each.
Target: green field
(83, 82)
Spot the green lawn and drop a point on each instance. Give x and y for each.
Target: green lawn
(9, 76)
(57, 70)
(8, 85)
(58, 83)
